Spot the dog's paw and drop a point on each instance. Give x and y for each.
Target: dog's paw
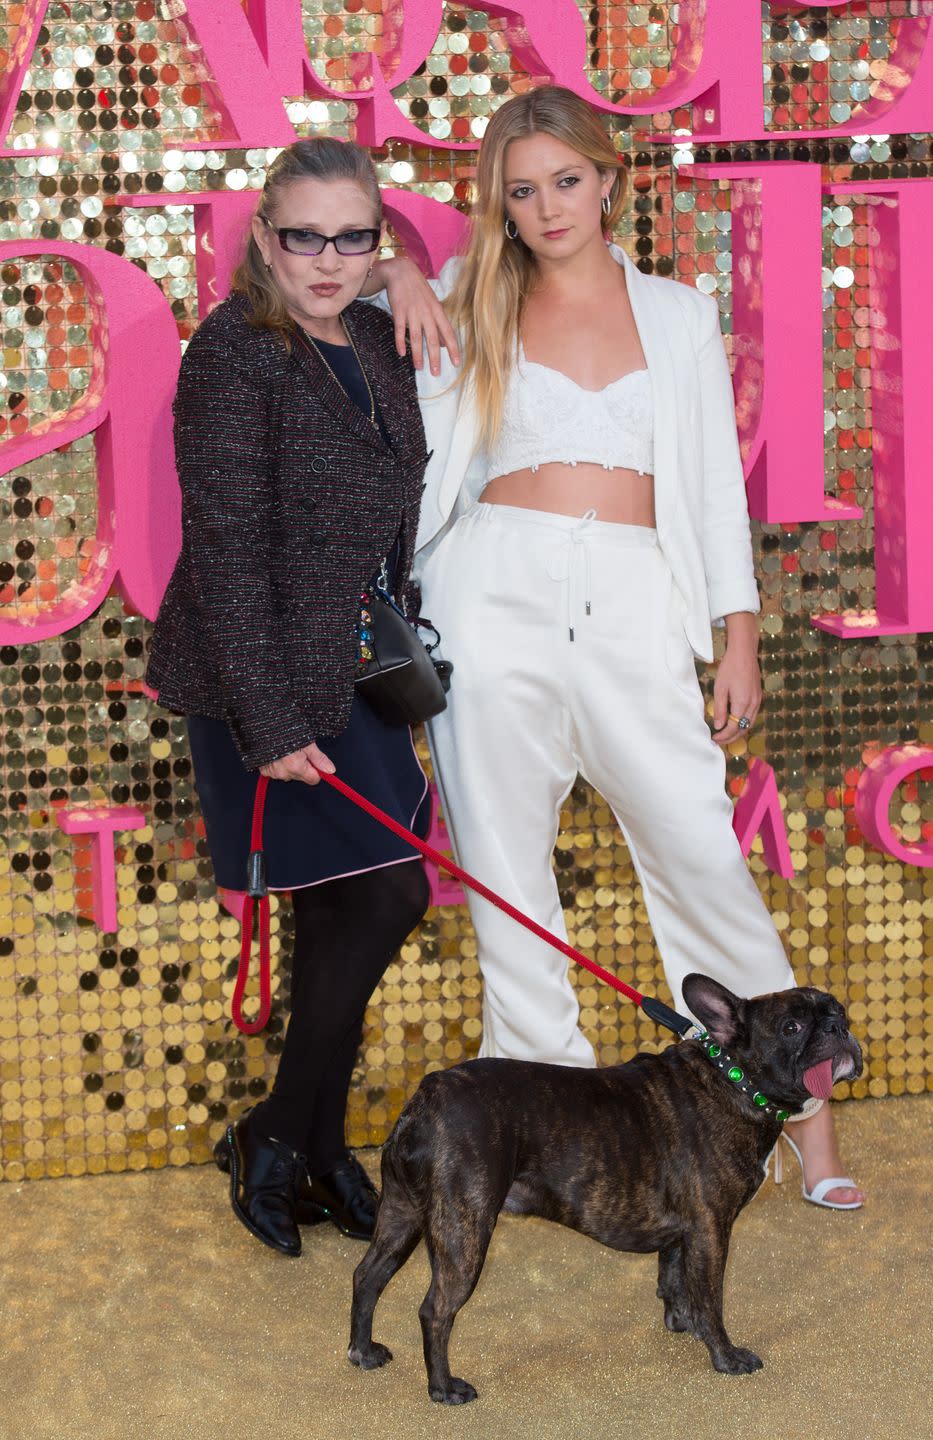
(737, 1361)
(455, 1392)
(369, 1357)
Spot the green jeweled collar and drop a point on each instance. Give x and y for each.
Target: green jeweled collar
(735, 1074)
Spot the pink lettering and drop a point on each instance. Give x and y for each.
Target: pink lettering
(716, 67)
(430, 231)
(902, 416)
(98, 825)
(875, 791)
(444, 889)
(758, 812)
(25, 38)
(777, 338)
(409, 31)
(240, 84)
(127, 406)
(221, 218)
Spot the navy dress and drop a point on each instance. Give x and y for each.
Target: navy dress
(312, 833)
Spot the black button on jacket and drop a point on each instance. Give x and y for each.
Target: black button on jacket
(290, 500)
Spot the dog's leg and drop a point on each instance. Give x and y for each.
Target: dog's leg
(398, 1230)
(457, 1242)
(671, 1290)
(705, 1248)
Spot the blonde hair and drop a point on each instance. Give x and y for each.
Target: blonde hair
(320, 158)
(498, 273)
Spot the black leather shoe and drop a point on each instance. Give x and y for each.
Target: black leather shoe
(345, 1196)
(263, 1179)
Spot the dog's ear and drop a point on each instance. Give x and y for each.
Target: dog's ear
(716, 1008)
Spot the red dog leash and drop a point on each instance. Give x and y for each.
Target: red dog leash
(257, 894)
(256, 891)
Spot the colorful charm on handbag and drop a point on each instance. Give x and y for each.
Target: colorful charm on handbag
(365, 628)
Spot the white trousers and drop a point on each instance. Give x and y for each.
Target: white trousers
(570, 656)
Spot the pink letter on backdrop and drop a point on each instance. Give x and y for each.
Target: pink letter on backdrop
(233, 901)
(128, 407)
(777, 330)
(902, 410)
(100, 823)
(716, 66)
(874, 792)
(903, 98)
(444, 889)
(758, 811)
(238, 79)
(716, 62)
(221, 218)
(410, 28)
(32, 14)
(430, 231)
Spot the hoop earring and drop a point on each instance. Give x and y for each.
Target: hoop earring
(607, 204)
(513, 232)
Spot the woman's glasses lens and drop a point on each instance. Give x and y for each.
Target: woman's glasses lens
(351, 242)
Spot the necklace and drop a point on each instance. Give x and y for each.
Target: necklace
(319, 352)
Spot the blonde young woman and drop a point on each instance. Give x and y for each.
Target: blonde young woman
(583, 525)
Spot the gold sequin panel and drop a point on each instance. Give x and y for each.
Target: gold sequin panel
(115, 1049)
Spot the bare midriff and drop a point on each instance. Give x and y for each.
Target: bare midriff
(619, 496)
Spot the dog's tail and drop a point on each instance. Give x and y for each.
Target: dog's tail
(406, 1155)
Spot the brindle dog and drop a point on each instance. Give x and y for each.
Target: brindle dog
(659, 1154)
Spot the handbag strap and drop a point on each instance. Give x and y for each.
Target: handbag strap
(256, 898)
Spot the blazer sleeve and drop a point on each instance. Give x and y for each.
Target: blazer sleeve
(727, 543)
(221, 446)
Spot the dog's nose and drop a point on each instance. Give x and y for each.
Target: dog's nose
(832, 1025)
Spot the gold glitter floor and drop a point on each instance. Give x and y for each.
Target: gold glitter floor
(134, 1306)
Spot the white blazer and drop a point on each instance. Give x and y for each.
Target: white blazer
(700, 501)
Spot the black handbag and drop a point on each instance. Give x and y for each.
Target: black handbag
(398, 675)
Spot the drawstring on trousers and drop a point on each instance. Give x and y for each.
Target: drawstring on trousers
(577, 550)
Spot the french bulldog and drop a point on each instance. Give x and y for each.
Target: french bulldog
(659, 1154)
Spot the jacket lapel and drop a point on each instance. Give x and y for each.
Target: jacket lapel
(328, 390)
(458, 409)
(395, 406)
(651, 322)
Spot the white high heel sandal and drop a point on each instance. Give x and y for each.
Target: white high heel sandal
(822, 1188)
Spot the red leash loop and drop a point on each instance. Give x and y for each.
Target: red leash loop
(656, 1009)
(256, 894)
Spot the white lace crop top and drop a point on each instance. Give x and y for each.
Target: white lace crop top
(549, 417)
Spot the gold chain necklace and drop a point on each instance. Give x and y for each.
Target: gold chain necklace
(369, 389)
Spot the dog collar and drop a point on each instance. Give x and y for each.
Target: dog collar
(735, 1074)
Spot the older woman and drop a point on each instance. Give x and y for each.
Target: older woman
(301, 454)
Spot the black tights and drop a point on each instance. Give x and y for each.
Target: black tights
(346, 933)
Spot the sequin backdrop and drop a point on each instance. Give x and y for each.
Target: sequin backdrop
(115, 1049)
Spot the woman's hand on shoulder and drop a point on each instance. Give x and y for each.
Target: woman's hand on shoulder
(417, 313)
(300, 765)
(737, 689)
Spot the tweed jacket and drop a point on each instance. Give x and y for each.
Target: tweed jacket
(290, 500)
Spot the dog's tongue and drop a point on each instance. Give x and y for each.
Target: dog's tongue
(819, 1079)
